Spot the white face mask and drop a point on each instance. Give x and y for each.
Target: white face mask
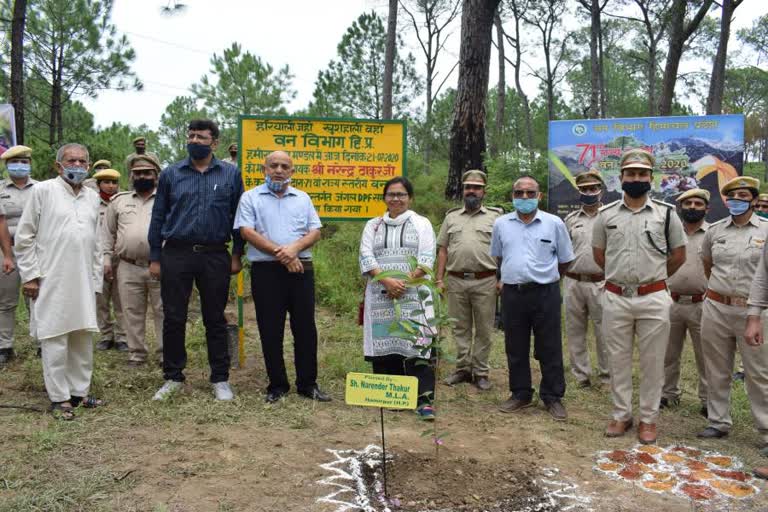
(75, 175)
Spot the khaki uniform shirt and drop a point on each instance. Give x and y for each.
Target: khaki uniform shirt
(580, 226)
(126, 227)
(634, 241)
(758, 293)
(467, 237)
(14, 199)
(690, 278)
(735, 253)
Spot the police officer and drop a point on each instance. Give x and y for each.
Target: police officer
(584, 282)
(14, 194)
(463, 253)
(125, 230)
(232, 150)
(687, 288)
(639, 242)
(761, 209)
(98, 166)
(112, 333)
(731, 253)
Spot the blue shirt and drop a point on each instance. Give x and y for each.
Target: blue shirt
(196, 207)
(282, 220)
(530, 252)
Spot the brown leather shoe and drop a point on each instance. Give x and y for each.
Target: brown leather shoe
(514, 405)
(458, 377)
(482, 383)
(618, 428)
(646, 433)
(557, 410)
(761, 472)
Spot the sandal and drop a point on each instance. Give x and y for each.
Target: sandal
(87, 402)
(62, 411)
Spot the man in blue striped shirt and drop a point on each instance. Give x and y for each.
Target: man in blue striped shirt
(192, 220)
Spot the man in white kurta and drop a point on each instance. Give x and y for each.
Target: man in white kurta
(57, 253)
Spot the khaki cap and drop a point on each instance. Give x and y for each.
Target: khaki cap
(741, 182)
(590, 177)
(762, 197)
(474, 177)
(694, 192)
(141, 162)
(106, 164)
(139, 139)
(16, 152)
(233, 145)
(637, 159)
(107, 174)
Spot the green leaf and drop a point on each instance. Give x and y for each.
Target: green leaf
(413, 263)
(424, 294)
(394, 274)
(418, 312)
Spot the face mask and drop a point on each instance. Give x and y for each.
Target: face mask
(75, 175)
(525, 206)
(19, 170)
(143, 184)
(276, 186)
(589, 199)
(762, 214)
(636, 189)
(233, 154)
(737, 206)
(198, 151)
(472, 202)
(141, 151)
(692, 215)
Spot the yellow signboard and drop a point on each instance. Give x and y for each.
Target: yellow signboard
(378, 390)
(342, 164)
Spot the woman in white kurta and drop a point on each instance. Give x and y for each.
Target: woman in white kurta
(387, 243)
(57, 246)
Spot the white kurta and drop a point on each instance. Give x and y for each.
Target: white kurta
(57, 241)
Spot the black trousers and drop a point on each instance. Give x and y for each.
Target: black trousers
(534, 309)
(275, 293)
(210, 272)
(395, 364)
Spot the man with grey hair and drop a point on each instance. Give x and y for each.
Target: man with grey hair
(58, 256)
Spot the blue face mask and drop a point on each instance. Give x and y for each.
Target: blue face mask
(737, 206)
(75, 175)
(19, 170)
(525, 205)
(276, 186)
(198, 151)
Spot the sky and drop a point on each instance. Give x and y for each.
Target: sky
(173, 52)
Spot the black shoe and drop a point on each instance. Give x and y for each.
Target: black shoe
(557, 410)
(39, 353)
(583, 384)
(121, 346)
(105, 344)
(666, 403)
(314, 393)
(274, 396)
(712, 433)
(704, 411)
(482, 383)
(6, 354)
(458, 377)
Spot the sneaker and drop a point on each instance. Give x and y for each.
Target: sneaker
(426, 413)
(222, 391)
(169, 388)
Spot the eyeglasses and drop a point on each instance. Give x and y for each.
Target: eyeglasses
(525, 193)
(191, 137)
(396, 195)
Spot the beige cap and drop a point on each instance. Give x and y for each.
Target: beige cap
(107, 174)
(590, 177)
(741, 182)
(102, 164)
(637, 158)
(139, 139)
(16, 152)
(762, 197)
(474, 177)
(141, 162)
(694, 192)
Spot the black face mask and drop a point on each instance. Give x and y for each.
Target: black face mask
(691, 215)
(143, 185)
(589, 199)
(233, 154)
(198, 151)
(636, 189)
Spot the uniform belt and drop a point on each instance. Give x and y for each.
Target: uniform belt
(588, 278)
(473, 275)
(138, 263)
(727, 299)
(521, 287)
(195, 247)
(631, 291)
(682, 298)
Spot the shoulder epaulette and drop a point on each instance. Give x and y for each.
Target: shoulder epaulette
(572, 214)
(454, 209)
(662, 203)
(761, 219)
(496, 209)
(610, 205)
(721, 221)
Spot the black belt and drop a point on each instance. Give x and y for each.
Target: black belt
(306, 263)
(189, 246)
(521, 287)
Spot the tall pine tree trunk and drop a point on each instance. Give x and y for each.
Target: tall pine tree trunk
(17, 65)
(389, 60)
(467, 146)
(501, 91)
(717, 80)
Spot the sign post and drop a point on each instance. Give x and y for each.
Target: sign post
(377, 390)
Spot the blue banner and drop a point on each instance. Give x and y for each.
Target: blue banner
(690, 151)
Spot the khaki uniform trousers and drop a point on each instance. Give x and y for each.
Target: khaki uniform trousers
(646, 316)
(682, 318)
(9, 299)
(722, 328)
(67, 365)
(137, 290)
(472, 302)
(582, 303)
(110, 330)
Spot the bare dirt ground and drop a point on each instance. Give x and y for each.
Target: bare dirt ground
(192, 454)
